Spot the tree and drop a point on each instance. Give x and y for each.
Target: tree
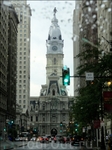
(86, 107)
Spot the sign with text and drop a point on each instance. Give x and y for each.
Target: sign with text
(89, 76)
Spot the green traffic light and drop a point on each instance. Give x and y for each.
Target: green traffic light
(75, 129)
(61, 123)
(66, 76)
(4, 129)
(12, 121)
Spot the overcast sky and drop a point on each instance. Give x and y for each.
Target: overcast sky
(42, 13)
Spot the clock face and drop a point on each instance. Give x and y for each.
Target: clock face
(54, 48)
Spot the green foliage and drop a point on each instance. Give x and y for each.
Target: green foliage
(86, 107)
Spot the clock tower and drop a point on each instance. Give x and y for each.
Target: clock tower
(52, 106)
(54, 45)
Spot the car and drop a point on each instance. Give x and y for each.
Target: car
(67, 139)
(39, 139)
(55, 139)
(24, 138)
(77, 140)
(18, 139)
(44, 139)
(33, 139)
(61, 139)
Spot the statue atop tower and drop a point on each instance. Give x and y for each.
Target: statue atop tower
(55, 10)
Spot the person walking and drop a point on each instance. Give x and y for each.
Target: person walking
(110, 142)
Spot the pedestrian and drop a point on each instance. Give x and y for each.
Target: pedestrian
(110, 143)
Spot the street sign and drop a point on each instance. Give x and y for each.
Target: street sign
(89, 76)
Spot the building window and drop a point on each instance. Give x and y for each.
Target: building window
(43, 107)
(31, 118)
(54, 61)
(53, 92)
(24, 96)
(36, 118)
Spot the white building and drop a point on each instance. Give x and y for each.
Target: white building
(23, 53)
(52, 106)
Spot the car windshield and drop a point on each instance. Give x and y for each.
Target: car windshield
(55, 68)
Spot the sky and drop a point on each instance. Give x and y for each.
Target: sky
(42, 13)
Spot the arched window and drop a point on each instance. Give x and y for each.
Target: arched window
(54, 61)
(53, 92)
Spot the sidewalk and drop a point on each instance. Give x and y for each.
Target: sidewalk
(7, 145)
(91, 146)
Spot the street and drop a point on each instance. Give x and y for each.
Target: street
(49, 146)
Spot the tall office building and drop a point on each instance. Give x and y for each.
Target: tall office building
(23, 53)
(8, 58)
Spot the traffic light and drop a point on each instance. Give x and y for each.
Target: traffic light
(61, 123)
(35, 129)
(4, 129)
(66, 76)
(76, 126)
(12, 121)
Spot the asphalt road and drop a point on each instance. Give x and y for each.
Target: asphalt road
(48, 146)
